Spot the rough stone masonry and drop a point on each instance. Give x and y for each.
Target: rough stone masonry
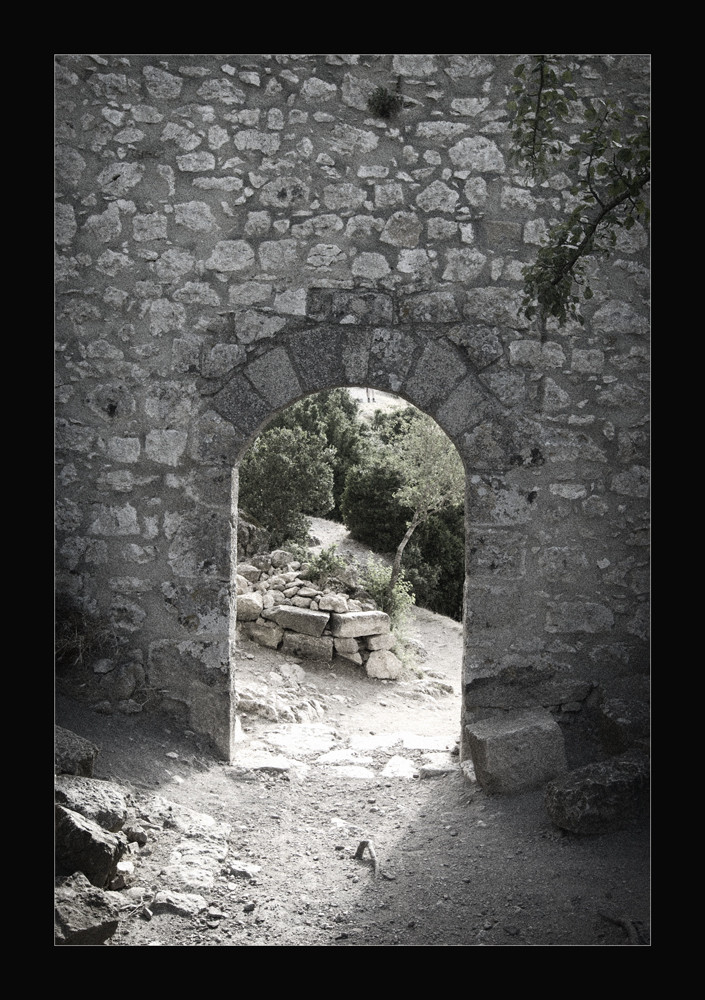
(234, 232)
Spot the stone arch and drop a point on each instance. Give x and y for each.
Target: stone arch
(425, 368)
(428, 371)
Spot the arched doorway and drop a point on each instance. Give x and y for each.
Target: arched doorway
(385, 446)
(507, 668)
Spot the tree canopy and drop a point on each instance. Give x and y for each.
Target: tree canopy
(287, 474)
(603, 144)
(332, 415)
(432, 477)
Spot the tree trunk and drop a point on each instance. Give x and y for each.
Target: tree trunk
(396, 565)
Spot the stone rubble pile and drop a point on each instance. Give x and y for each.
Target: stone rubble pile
(101, 829)
(279, 608)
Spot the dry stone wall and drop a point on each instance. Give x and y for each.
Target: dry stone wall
(234, 232)
(279, 607)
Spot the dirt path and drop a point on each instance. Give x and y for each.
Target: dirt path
(281, 859)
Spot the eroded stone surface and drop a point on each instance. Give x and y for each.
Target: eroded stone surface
(261, 236)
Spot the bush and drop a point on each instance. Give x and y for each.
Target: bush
(287, 474)
(370, 512)
(435, 562)
(333, 416)
(327, 563)
(375, 580)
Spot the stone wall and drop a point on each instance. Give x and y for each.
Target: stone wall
(235, 232)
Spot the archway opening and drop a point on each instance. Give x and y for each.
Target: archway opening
(317, 636)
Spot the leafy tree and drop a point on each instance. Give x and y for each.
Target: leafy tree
(432, 477)
(389, 427)
(609, 161)
(397, 602)
(333, 415)
(370, 511)
(434, 562)
(287, 474)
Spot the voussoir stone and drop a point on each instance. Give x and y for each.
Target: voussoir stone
(358, 623)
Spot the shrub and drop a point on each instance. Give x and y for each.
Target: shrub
(370, 512)
(333, 416)
(287, 474)
(375, 580)
(435, 562)
(384, 104)
(326, 563)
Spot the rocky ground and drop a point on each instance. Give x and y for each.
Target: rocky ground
(357, 827)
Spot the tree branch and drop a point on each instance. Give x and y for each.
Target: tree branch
(591, 228)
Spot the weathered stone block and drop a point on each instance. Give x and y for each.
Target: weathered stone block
(312, 647)
(101, 801)
(387, 641)
(193, 677)
(345, 645)
(83, 914)
(350, 657)
(251, 573)
(83, 846)
(73, 754)
(358, 623)
(301, 620)
(602, 796)
(333, 602)
(383, 663)
(249, 606)
(266, 634)
(518, 752)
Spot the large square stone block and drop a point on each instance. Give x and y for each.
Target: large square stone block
(517, 752)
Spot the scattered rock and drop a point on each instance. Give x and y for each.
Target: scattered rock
(100, 801)
(83, 913)
(73, 754)
(82, 845)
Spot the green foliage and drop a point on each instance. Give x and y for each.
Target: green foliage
(398, 602)
(391, 426)
(384, 104)
(287, 474)
(326, 563)
(375, 514)
(434, 562)
(542, 104)
(332, 415)
(370, 511)
(605, 148)
(430, 468)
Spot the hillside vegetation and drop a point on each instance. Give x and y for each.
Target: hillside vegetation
(367, 465)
